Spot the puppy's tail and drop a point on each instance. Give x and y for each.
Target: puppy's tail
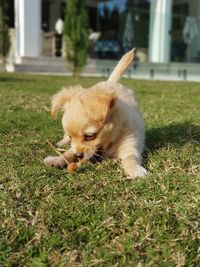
(122, 66)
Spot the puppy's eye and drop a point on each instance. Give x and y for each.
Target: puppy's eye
(89, 137)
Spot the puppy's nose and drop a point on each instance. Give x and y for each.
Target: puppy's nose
(79, 155)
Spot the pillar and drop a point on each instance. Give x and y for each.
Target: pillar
(159, 32)
(28, 28)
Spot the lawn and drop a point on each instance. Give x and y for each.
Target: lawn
(96, 217)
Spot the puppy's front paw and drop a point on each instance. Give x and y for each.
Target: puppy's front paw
(132, 168)
(139, 171)
(56, 162)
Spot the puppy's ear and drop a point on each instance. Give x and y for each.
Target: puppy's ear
(108, 101)
(112, 100)
(61, 98)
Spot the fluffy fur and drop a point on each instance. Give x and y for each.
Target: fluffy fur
(103, 118)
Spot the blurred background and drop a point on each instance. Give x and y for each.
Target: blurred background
(166, 34)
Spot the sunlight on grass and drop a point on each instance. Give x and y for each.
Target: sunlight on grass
(96, 217)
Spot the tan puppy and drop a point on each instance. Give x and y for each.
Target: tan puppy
(104, 118)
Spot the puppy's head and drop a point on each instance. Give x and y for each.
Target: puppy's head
(87, 120)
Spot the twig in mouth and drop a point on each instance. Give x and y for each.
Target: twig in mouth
(56, 150)
(71, 166)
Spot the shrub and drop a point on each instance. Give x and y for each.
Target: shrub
(76, 35)
(4, 33)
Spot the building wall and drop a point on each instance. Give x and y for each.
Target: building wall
(132, 16)
(194, 6)
(55, 10)
(193, 48)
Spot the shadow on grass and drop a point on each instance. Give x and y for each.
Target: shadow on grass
(176, 134)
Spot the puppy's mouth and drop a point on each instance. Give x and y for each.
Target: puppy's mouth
(94, 155)
(98, 156)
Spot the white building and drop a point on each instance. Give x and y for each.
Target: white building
(164, 31)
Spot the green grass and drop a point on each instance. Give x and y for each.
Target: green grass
(96, 217)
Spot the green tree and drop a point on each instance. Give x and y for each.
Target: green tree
(4, 33)
(76, 34)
